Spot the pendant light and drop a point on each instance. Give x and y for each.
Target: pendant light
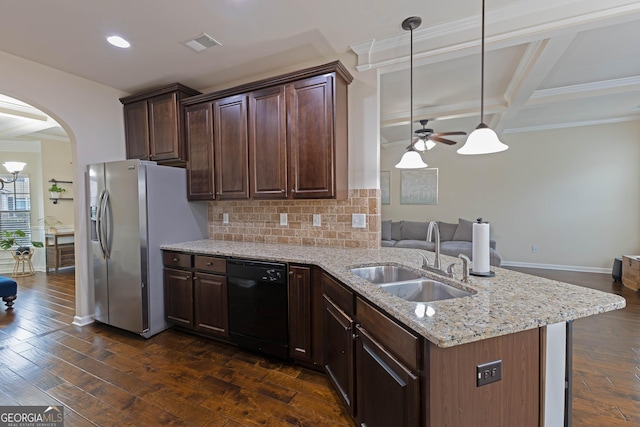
(411, 159)
(483, 140)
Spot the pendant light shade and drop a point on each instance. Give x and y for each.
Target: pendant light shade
(483, 140)
(411, 159)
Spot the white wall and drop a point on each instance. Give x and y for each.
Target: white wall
(92, 117)
(573, 192)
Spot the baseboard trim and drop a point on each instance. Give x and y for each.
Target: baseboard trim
(556, 267)
(82, 320)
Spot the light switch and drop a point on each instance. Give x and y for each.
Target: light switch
(225, 218)
(358, 221)
(283, 219)
(316, 220)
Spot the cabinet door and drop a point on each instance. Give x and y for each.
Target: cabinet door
(210, 296)
(300, 313)
(136, 128)
(199, 130)
(178, 297)
(164, 137)
(268, 143)
(231, 148)
(310, 135)
(388, 392)
(338, 351)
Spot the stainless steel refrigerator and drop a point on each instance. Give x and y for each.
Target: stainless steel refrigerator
(134, 208)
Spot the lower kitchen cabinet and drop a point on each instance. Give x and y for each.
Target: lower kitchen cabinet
(338, 340)
(178, 296)
(210, 304)
(300, 313)
(388, 392)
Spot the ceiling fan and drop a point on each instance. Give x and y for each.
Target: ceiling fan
(424, 139)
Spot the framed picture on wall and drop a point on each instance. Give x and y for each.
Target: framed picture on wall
(385, 187)
(419, 187)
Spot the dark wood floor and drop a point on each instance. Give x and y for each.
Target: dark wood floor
(111, 378)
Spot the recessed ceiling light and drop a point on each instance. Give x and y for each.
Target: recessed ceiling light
(118, 41)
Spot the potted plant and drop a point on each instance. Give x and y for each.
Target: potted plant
(55, 191)
(8, 240)
(50, 221)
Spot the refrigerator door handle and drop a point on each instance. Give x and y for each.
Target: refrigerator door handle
(103, 225)
(99, 223)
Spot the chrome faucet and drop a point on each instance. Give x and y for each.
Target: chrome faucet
(434, 226)
(465, 267)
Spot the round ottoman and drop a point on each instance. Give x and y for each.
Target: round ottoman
(8, 290)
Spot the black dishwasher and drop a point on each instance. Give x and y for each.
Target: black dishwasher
(258, 306)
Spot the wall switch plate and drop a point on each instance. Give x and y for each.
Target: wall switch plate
(225, 218)
(283, 219)
(316, 220)
(488, 373)
(535, 249)
(358, 221)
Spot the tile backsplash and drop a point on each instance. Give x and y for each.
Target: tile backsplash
(259, 221)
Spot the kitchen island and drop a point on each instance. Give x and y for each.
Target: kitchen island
(511, 304)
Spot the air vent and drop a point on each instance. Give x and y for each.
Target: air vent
(201, 42)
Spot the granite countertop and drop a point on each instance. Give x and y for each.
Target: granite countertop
(507, 303)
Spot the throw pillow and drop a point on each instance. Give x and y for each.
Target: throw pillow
(396, 230)
(414, 230)
(447, 230)
(386, 230)
(464, 230)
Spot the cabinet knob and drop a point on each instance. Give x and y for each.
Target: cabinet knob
(209, 264)
(217, 193)
(282, 191)
(188, 277)
(293, 190)
(175, 260)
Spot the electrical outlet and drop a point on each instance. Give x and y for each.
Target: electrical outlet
(358, 221)
(316, 220)
(283, 219)
(488, 373)
(225, 218)
(535, 249)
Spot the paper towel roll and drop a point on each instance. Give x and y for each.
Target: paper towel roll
(480, 247)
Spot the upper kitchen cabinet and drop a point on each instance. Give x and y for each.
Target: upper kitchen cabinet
(199, 132)
(231, 147)
(153, 124)
(292, 127)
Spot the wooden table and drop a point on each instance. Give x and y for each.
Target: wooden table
(59, 254)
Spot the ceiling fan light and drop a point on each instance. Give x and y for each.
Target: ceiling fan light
(411, 160)
(422, 145)
(483, 140)
(14, 167)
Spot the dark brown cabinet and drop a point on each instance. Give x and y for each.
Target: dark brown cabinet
(387, 371)
(279, 138)
(231, 146)
(153, 124)
(300, 313)
(316, 150)
(338, 339)
(195, 292)
(268, 143)
(199, 132)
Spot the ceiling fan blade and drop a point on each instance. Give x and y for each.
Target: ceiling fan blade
(444, 141)
(449, 133)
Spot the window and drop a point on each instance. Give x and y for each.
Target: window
(15, 207)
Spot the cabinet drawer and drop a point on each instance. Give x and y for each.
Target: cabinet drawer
(402, 343)
(341, 296)
(176, 259)
(210, 263)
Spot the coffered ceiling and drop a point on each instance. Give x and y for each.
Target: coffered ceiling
(549, 63)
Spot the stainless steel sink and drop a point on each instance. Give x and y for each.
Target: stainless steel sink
(423, 290)
(379, 274)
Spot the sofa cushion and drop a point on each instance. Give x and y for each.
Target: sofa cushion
(464, 230)
(416, 244)
(396, 230)
(386, 230)
(447, 230)
(414, 230)
(388, 243)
